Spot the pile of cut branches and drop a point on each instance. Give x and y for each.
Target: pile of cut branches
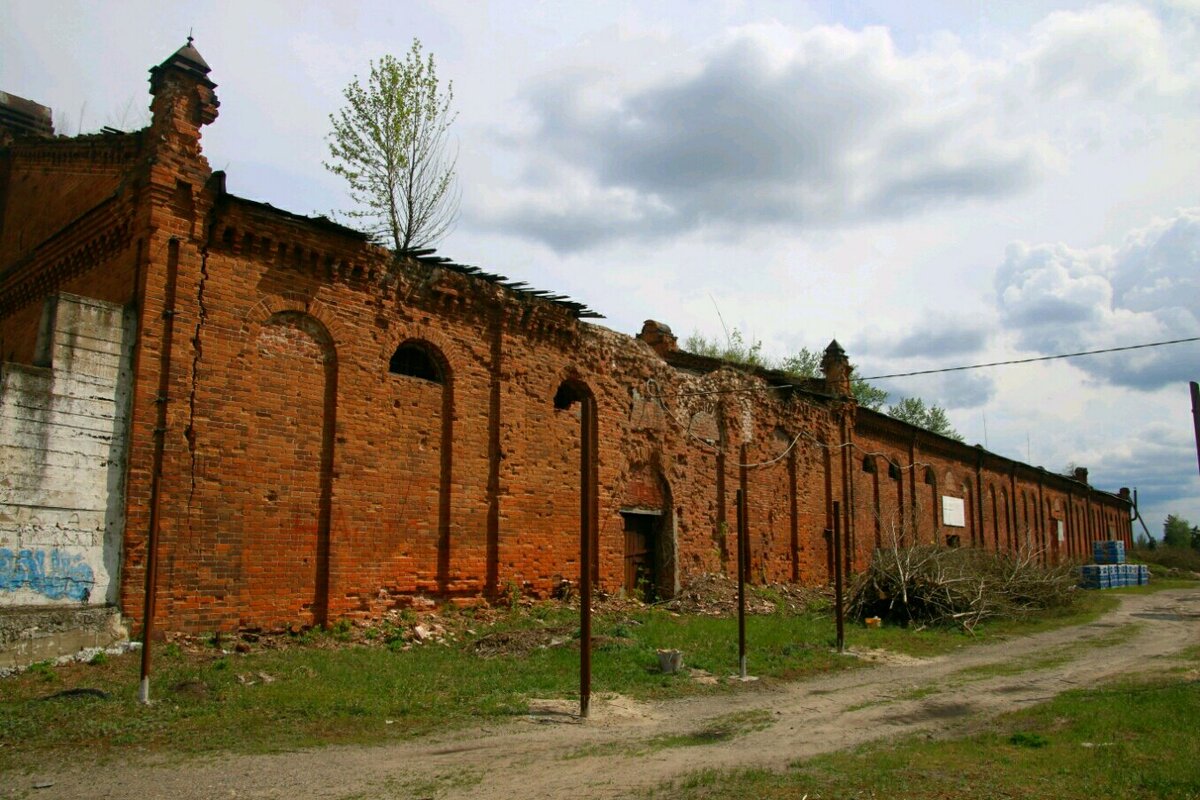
(931, 585)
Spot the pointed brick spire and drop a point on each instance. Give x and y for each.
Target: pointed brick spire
(187, 59)
(184, 99)
(836, 367)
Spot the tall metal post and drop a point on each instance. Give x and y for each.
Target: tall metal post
(741, 571)
(160, 433)
(1196, 416)
(587, 455)
(839, 610)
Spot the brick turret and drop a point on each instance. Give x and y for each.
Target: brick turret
(184, 100)
(836, 367)
(659, 337)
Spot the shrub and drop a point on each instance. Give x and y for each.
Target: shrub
(932, 585)
(1181, 558)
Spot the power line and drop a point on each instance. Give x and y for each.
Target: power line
(703, 392)
(1031, 360)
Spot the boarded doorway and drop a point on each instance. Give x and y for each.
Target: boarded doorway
(642, 544)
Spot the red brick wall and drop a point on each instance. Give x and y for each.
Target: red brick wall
(302, 480)
(1008, 505)
(404, 516)
(51, 183)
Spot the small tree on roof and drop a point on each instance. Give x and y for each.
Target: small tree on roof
(389, 143)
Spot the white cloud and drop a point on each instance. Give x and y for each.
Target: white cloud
(774, 127)
(1156, 460)
(800, 128)
(1106, 53)
(1062, 299)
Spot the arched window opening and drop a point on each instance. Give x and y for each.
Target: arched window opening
(415, 361)
(868, 464)
(568, 394)
(893, 471)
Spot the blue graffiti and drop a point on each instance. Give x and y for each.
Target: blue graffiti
(69, 575)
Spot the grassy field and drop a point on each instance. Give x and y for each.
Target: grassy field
(322, 689)
(1133, 739)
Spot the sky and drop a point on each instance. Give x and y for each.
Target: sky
(934, 184)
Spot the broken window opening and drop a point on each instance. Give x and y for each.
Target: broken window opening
(415, 361)
(568, 394)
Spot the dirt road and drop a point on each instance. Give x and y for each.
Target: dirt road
(551, 754)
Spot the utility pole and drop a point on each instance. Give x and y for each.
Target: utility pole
(587, 530)
(1196, 417)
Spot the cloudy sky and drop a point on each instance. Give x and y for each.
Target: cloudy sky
(933, 183)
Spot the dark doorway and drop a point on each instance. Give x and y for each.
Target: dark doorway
(641, 547)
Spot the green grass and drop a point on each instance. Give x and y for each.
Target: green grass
(1132, 739)
(323, 690)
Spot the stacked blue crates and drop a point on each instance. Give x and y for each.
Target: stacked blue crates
(1108, 552)
(1094, 576)
(1110, 570)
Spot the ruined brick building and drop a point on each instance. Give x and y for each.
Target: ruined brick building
(314, 429)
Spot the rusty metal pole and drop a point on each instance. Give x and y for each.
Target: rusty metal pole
(160, 432)
(741, 571)
(1196, 416)
(839, 611)
(587, 455)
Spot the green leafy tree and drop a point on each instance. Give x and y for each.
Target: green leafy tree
(1177, 531)
(805, 363)
(389, 143)
(932, 417)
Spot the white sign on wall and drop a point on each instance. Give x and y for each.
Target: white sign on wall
(953, 514)
(1062, 535)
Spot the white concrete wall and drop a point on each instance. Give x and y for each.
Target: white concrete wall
(62, 459)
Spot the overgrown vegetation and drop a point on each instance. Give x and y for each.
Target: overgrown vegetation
(959, 587)
(806, 363)
(1168, 561)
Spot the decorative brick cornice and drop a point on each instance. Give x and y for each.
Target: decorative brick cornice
(90, 153)
(334, 253)
(89, 240)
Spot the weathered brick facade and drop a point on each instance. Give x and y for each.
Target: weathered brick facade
(334, 430)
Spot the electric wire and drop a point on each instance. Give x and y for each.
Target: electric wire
(1033, 359)
(1056, 356)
